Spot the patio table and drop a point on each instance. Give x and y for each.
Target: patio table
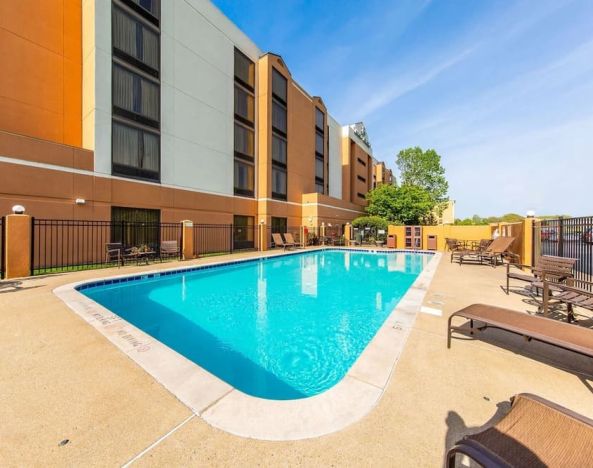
(139, 256)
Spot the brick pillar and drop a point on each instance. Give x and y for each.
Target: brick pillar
(304, 236)
(263, 237)
(527, 253)
(187, 249)
(347, 233)
(18, 245)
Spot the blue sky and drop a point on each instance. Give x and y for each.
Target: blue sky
(503, 90)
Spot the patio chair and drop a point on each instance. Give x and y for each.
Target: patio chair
(532, 327)
(114, 252)
(169, 249)
(455, 247)
(573, 293)
(498, 249)
(536, 432)
(558, 267)
(279, 242)
(289, 239)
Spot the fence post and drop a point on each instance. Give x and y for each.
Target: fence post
(231, 247)
(187, 239)
(18, 246)
(533, 241)
(561, 236)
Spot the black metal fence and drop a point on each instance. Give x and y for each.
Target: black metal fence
(369, 235)
(218, 239)
(69, 245)
(2, 254)
(566, 237)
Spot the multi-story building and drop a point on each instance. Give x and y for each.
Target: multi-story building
(164, 110)
(382, 174)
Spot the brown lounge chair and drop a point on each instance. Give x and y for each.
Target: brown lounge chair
(575, 293)
(114, 252)
(279, 242)
(455, 247)
(169, 249)
(289, 239)
(498, 249)
(535, 433)
(560, 334)
(547, 265)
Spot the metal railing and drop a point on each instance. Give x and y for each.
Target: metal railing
(219, 239)
(566, 237)
(2, 248)
(59, 245)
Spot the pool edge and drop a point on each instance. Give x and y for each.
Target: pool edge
(233, 411)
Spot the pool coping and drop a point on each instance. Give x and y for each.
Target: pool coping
(233, 411)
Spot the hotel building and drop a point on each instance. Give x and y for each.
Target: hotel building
(164, 110)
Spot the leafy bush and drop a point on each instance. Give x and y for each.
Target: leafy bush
(374, 222)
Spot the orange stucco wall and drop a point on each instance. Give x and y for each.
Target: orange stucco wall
(41, 69)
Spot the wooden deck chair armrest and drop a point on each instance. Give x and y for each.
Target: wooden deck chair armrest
(572, 281)
(520, 266)
(563, 287)
(548, 275)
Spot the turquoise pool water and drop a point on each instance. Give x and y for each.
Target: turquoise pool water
(280, 328)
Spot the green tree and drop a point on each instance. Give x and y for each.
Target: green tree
(374, 222)
(407, 204)
(423, 169)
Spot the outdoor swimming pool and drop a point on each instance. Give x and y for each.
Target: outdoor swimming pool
(280, 328)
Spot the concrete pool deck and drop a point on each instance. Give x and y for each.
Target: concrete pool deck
(62, 380)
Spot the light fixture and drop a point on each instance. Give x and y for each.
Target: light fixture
(531, 214)
(18, 209)
(80, 201)
(262, 221)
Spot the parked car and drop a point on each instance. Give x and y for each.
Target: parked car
(549, 233)
(588, 236)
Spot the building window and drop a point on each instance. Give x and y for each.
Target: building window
(243, 232)
(244, 104)
(279, 225)
(361, 178)
(278, 183)
(278, 149)
(279, 136)
(279, 117)
(244, 142)
(133, 227)
(360, 195)
(244, 177)
(135, 97)
(152, 7)
(135, 152)
(135, 91)
(319, 119)
(244, 70)
(279, 85)
(319, 142)
(319, 166)
(360, 161)
(135, 41)
(319, 151)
